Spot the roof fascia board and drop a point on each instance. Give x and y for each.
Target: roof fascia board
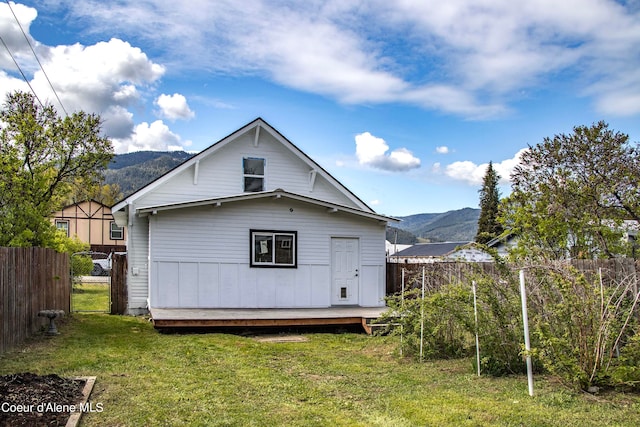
(263, 195)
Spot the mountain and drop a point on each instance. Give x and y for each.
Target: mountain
(453, 226)
(401, 237)
(132, 171)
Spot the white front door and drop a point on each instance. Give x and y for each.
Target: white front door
(345, 272)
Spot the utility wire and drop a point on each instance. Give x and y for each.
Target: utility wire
(21, 72)
(38, 60)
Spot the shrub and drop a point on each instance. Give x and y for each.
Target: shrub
(625, 372)
(579, 323)
(80, 264)
(445, 315)
(500, 324)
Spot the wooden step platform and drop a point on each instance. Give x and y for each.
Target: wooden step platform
(166, 318)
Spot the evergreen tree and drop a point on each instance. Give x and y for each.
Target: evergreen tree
(488, 225)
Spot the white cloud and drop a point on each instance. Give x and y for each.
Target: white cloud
(155, 137)
(473, 174)
(372, 151)
(174, 107)
(96, 77)
(466, 57)
(14, 39)
(108, 78)
(104, 78)
(118, 121)
(443, 149)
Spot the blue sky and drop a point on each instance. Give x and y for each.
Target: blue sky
(404, 102)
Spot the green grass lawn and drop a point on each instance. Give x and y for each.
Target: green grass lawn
(152, 379)
(90, 297)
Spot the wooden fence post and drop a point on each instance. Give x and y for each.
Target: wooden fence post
(118, 284)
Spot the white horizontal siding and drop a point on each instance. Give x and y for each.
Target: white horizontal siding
(221, 174)
(138, 268)
(200, 256)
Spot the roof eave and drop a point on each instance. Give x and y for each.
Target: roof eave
(219, 201)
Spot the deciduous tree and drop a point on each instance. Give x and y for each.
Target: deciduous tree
(41, 156)
(572, 193)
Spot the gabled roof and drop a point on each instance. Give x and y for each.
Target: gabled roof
(430, 249)
(257, 125)
(84, 201)
(504, 238)
(276, 194)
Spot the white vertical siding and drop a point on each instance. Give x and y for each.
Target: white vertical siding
(200, 256)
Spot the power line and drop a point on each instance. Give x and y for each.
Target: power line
(21, 72)
(38, 60)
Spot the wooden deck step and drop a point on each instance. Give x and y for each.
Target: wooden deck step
(166, 318)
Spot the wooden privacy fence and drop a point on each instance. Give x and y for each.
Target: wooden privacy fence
(118, 284)
(438, 274)
(31, 279)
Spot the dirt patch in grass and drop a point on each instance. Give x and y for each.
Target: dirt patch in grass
(37, 400)
(281, 338)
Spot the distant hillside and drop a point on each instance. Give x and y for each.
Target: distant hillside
(133, 171)
(453, 226)
(401, 237)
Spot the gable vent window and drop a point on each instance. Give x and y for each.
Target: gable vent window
(273, 248)
(253, 174)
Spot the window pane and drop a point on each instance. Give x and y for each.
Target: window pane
(63, 225)
(253, 184)
(263, 248)
(116, 232)
(284, 249)
(253, 166)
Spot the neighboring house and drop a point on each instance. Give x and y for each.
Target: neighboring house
(423, 253)
(250, 223)
(393, 248)
(93, 223)
(628, 230)
(503, 244)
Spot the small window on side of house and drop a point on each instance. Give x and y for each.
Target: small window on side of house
(63, 225)
(273, 248)
(253, 174)
(116, 233)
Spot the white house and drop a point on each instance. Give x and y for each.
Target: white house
(251, 223)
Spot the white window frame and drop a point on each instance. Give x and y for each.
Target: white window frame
(254, 176)
(290, 243)
(116, 230)
(63, 224)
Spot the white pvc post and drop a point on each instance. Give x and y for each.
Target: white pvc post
(402, 313)
(475, 313)
(422, 317)
(525, 321)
